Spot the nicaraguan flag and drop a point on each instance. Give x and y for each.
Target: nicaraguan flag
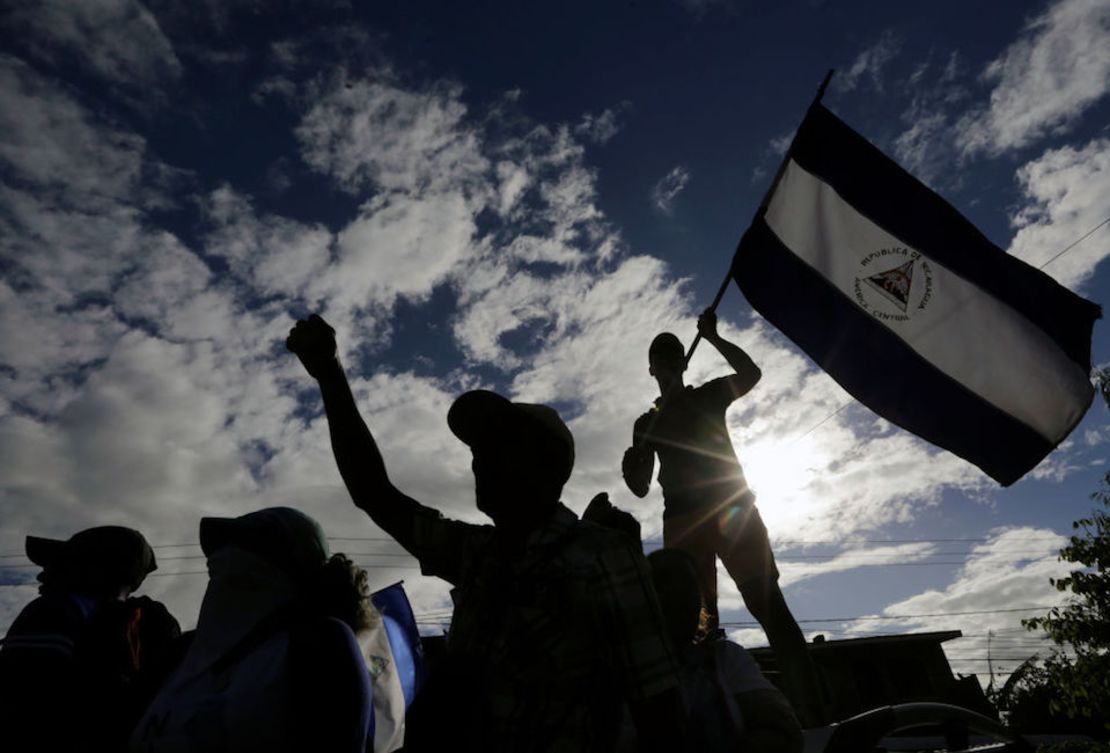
(396, 662)
(911, 309)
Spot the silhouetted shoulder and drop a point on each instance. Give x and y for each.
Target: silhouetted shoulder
(722, 391)
(50, 623)
(444, 547)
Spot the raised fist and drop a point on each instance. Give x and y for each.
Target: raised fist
(707, 324)
(313, 341)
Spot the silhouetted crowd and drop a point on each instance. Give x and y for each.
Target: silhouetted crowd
(564, 636)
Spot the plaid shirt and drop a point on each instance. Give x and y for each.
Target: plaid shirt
(556, 634)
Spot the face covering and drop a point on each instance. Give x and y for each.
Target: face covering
(243, 590)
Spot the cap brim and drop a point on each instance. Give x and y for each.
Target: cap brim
(480, 416)
(43, 552)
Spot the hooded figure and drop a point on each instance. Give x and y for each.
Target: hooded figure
(76, 664)
(264, 671)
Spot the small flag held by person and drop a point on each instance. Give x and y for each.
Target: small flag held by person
(911, 309)
(396, 663)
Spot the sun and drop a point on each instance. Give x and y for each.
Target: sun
(780, 474)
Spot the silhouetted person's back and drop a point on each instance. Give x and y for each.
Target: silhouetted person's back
(555, 623)
(78, 664)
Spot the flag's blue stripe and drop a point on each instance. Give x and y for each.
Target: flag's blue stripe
(903, 206)
(875, 365)
(404, 638)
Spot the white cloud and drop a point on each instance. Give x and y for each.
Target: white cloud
(1059, 465)
(56, 146)
(1045, 80)
(924, 148)
(600, 128)
(928, 146)
(795, 569)
(870, 63)
(514, 180)
(376, 135)
(668, 188)
(1066, 191)
(118, 39)
(274, 255)
(781, 143)
(1009, 572)
(402, 247)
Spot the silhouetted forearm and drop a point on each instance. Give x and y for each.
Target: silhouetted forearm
(360, 462)
(740, 362)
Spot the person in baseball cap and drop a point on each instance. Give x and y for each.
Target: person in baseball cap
(76, 663)
(106, 560)
(286, 537)
(523, 452)
(546, 606)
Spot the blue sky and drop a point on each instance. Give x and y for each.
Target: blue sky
(519, 198)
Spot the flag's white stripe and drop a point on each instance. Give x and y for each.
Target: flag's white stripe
(965, 332)
(388, 697)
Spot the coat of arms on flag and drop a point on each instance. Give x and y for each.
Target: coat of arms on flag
(395, 660)
(894, 284)
(983, 355)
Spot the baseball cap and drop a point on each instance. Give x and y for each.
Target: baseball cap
(481, 417)
(111, 555)
(286, 537)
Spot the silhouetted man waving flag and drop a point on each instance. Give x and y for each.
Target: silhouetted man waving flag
(708, 509)
(556, 625)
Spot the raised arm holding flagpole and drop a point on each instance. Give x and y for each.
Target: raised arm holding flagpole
(709, 511)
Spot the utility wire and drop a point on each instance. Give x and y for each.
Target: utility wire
(852, 560)
(653, 541)
(1082, 238)
(904, 616)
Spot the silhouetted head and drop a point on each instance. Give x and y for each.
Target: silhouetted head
(283, 536)
(523, 454)
(104, 562)
(666, 359)
(676, 583)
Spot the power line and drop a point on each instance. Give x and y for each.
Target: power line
(428, 618)
(1082, 238)
(850, 561)
(777, 543)
(905, 616)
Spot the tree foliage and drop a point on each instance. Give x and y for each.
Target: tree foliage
(1077, 682)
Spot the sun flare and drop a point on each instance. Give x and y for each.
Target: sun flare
(779, 474)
